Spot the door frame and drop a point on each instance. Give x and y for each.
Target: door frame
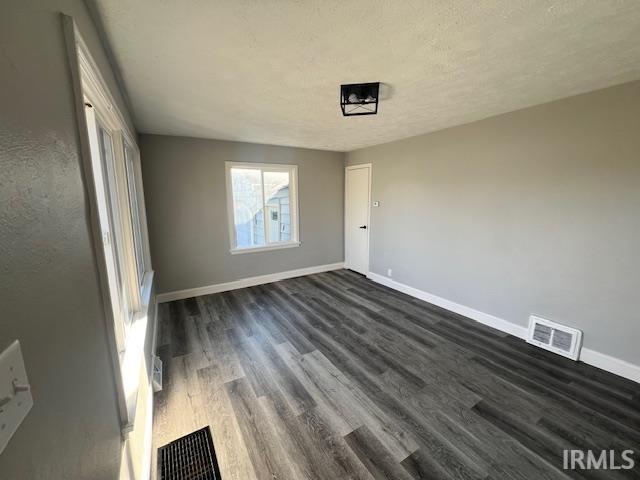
(369, 166)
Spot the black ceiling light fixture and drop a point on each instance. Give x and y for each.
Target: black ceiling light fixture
(359, 98)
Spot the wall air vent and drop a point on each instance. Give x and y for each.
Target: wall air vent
(560, 339)
(157, 374)
(191, 457)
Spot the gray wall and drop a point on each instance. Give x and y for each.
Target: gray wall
(49, 295)
(184, 184)
(535, 211)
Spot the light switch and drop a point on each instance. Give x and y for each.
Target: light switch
(376, 204)
(15, 393)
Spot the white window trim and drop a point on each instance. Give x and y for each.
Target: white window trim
(127, 354)
(293, 205)
(264, 248)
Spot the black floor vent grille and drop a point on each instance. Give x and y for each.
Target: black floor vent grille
(191, 457)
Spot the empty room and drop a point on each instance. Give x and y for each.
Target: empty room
(319, 239)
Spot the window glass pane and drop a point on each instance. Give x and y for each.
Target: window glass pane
(114, 243)
(246, 186)
(276, 200)
(135, 214)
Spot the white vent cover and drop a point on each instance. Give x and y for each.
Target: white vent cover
(560, 339)
(157, 374)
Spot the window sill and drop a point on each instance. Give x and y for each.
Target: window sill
(266, 248)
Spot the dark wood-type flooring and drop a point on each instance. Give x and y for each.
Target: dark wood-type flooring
(332, 376)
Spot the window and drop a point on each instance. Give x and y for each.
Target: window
(113, 175)
(262, 205)
(105, 164)
(114, 161)
(133, 200)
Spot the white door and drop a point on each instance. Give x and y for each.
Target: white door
(356, 235)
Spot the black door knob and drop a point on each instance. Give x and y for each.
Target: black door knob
(363, 226)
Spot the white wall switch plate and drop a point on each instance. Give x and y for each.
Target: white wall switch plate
(15, 393)
(376, 204)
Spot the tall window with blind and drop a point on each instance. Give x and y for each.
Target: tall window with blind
(114, 160)
(113, 176)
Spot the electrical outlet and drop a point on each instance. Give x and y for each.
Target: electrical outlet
(15, 392)
(389, 272)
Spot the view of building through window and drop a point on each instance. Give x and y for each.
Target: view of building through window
(261, 206)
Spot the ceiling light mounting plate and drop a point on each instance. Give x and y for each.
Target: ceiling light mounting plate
(359, 98)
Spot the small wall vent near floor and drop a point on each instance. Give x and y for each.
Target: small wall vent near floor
(554, 337)
(191, 457)
(157, 374)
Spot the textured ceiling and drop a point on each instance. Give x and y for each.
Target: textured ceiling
(268, 71)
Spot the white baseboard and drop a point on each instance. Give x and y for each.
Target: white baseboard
(610, 364)
(246, 282)
(485, 318)
(591, 357)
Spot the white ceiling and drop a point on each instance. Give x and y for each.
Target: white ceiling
(268, 71)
